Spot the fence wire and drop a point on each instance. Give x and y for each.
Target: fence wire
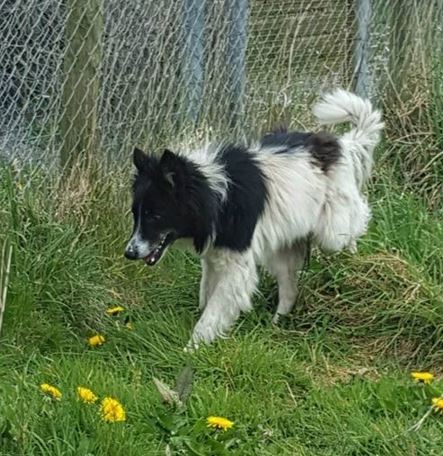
(100, 76)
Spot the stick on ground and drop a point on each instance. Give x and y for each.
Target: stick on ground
(4, 279)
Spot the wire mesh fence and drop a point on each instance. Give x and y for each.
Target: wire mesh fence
(95, 77)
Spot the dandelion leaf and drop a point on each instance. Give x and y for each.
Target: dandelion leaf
(168, 395)
(183, 384)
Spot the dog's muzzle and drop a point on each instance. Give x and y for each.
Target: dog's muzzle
(150, 252)
(131, 253)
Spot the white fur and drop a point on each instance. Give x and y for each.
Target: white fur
(342, 106)
(227, 290)
(303, 202)
(284, 265)
(137, 243)
(211, 169)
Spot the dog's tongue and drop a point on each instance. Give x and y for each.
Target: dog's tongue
(151, 258)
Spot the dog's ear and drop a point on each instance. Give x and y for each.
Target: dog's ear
(170, 167)
(139, 158)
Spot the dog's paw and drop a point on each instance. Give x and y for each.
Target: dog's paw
(191, 347)
(276, 319)
(352, 247)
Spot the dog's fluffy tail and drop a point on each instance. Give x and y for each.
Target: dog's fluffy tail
(342, 106)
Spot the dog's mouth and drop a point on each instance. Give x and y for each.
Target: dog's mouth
(160, 248)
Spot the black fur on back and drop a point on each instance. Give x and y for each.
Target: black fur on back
(245, 202)
(324, 147)
(289, 139)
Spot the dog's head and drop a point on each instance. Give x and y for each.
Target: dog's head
(159, 214)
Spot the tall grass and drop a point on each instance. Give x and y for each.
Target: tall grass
(333, 377)
(413, 99)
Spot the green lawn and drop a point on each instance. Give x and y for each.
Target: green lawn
(332, 379)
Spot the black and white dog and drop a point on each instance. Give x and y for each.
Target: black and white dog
(247, 206)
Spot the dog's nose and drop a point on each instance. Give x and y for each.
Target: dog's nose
(130, 253)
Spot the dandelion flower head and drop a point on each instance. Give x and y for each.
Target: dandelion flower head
(50, 390)
(86, 395)
(115, 310)
(422, 377)
(218, 422)
(111, 410)
(437, 404)
(96, 340)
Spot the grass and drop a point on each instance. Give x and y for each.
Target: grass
(332, 379)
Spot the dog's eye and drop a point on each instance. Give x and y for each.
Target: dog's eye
(151, 216)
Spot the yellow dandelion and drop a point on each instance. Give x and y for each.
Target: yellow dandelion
(96, 340)
(422, 377)
(111, 410)
(115, 310)
(437, 404)
(50, 390)
(218, 422)
(86, 395)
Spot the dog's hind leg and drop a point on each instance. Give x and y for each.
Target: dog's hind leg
(284, 265)
(235, 281)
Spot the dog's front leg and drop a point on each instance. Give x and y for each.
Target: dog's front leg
(235, 279)
(208, 282)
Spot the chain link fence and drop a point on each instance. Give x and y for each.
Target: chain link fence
(95, 77)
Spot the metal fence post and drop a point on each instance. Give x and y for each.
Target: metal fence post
(193, 57)
(238, 12)
(363, 77)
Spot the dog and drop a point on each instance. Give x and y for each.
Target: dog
(264, 204)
